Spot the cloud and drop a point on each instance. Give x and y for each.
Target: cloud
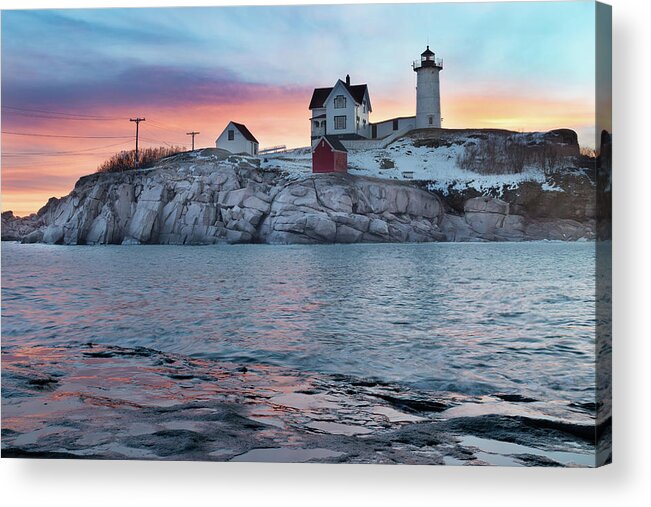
(143, 86)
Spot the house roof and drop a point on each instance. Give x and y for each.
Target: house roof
(320, 95)
(245, 132)
(334, 143)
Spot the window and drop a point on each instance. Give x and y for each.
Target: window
(231, 135)
(340, 122)
(340, 102)
(364, 106)
(431, 120)
(316, 124)
(255, 149)
(395, 124)
(364, 123)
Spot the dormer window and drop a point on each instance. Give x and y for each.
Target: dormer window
(340, 102)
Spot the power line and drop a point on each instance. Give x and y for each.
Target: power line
(60, 155)
(43, 111)
(161, 126)
(156, 141)
(164, 142)
(57, 153)
(53, 117)
(158, 125)
(34, 134)
(159, 141)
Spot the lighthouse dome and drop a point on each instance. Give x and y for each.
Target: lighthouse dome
(426, 53)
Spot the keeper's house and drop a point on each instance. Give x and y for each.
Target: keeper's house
(236, 138)
(329, 156)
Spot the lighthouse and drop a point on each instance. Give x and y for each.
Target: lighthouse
(428, 94)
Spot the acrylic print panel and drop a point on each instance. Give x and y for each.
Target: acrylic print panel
(337, 241)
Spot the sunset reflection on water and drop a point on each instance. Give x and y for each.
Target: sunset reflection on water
(285, 343)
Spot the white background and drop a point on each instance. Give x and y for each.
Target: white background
(626, 482)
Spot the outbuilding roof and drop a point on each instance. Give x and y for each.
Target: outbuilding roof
(334, 143)
(245, 132)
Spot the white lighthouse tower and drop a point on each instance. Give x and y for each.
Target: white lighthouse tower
(428, 94)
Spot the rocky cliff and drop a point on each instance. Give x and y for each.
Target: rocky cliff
(209, 197)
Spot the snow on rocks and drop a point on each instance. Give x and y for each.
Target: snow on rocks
(432, 157)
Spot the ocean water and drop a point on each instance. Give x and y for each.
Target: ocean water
(481, 325)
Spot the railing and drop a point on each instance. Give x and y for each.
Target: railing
(374, 144)
(436, 62)
(273, 149)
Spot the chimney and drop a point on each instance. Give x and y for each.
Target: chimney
(347, 79)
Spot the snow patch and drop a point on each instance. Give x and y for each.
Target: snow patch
(402, 160)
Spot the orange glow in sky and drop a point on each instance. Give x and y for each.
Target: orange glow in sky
(29, 181)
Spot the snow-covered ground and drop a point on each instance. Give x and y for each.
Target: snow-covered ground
(402, 160)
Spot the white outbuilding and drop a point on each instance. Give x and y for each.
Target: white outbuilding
(236, 138)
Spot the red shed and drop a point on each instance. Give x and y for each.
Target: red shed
(329, 156)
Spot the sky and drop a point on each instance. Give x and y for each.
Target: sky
(83, 73)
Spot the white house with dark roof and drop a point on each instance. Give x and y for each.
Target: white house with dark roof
(236, 138)
(343, 110)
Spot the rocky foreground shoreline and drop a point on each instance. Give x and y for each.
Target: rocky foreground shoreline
(211, 197)
(174, 407)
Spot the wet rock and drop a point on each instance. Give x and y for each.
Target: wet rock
(53, 234)
(222, 414)
(455, 228)
(534, 460)
(516, 398)
(42, 382)
(346, 234)
(523, 430)
(486, 205)
(413, 404)
(33, 237)
(379, 227)
(169, 442)
(485, 214)
(15, 228)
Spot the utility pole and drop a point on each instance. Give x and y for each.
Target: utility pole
(137, 120)
(192, 134)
